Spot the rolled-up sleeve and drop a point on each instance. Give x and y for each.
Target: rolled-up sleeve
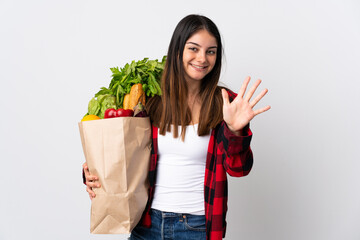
(236, 153)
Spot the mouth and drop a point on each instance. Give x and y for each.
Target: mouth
(198, 66)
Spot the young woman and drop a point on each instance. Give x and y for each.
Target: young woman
(200, 133)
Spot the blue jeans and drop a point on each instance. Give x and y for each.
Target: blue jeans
(167, 225)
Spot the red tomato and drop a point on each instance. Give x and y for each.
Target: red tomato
(124, 112)
(110, 113)
(130, 112)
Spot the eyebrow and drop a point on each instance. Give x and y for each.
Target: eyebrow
(199, 45)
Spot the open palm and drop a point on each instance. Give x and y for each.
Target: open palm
(239, 112)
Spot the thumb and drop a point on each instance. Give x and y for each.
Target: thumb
(225, 96)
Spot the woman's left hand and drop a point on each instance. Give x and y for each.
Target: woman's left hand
(239, 112)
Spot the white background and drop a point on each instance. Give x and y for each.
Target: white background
(54, 56)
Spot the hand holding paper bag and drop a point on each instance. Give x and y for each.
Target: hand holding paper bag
(90, 181)
(117, 152)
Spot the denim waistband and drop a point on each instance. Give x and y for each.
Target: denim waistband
(169, 214)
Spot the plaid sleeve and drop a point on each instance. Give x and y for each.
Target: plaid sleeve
(237, 154)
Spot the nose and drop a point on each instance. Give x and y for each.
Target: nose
(201, 57)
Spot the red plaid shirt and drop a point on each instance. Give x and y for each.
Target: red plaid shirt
(227, 153)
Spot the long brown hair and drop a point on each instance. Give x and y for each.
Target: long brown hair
(172, 107)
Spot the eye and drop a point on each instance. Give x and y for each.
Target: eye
(211, 52)
(194, 49)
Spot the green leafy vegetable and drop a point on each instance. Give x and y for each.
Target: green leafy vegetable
(106, 101)
(98, 106)
(93, 107)
(147, 72)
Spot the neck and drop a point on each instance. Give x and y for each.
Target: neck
(193, 94)
(193, 89)
(194, 104)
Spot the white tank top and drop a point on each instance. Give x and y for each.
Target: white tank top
(180, 175)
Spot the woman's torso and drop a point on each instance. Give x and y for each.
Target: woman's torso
(180, 176)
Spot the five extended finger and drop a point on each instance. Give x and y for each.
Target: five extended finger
(225, 96)
(261, 110)
(252, 90)
(258, 98)
(244, 86)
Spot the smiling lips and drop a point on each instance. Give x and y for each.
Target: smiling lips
(197, 67)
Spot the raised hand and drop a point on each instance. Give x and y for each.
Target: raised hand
(239, 112)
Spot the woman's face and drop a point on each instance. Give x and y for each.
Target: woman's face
(199, 55)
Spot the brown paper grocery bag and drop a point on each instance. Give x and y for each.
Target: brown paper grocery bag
(117, 150)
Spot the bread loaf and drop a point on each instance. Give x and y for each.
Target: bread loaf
(126, 103)
(132, 99)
